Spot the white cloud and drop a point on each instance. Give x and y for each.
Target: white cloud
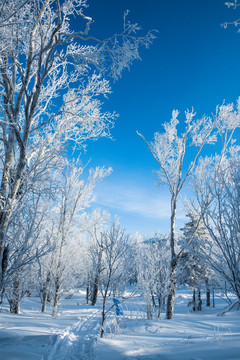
(150, 202)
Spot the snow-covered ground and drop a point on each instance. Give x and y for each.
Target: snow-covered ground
(74, 334)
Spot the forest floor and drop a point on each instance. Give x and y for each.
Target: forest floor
(74, 333)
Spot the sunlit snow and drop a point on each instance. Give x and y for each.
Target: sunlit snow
(74, 333)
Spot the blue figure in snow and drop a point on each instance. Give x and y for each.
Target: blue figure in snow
(118, 307)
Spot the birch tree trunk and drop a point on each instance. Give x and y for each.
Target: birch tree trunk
(88, 290)
(104, 309)
(174, 262)
(172, 289)
(56, 296)
(149, 307)
(14, 302)
(199, 305)
(96, 280)
(45, 292)
(58, 278)
(103, 318)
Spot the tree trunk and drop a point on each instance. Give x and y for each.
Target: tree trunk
(44, 301)
(5, 181)
(153, 300)
(172, 286)
(95, 290)
(4, 269)
(96, 280)
(104, 306)
(194, 300)
(56, 297)
(207, 294)
(149, 308)
(14, 302)
(2, 296)
(14, 306)
(58, 277)
(3, 228)
(9, 195)
(103, 316)
(199, 306)
(159, 306)
(213, 297)
(87, 291)
(174, 262)
(45, 292)
(4, 262)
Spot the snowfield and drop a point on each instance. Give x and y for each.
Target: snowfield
(74, 333)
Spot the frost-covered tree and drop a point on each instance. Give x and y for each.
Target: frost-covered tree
(51, 81)
(221, 216)
(97, 268)
(74, 270)
(115, 245)
(28, 241)
(75, 194)
(23, 283)
(176, 152)
(95, 253)
(35, 196)
(193, 267)
(152, 268)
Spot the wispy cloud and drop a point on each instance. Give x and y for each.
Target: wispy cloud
(145, 201)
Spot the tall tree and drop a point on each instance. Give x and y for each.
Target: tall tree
(28, 241)
(74, 196)
(221, 217)
(114, 244)
(152, 265)
(51, 78)
(177, 155)
(194, 270)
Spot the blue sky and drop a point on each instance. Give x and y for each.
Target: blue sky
(194, 62)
